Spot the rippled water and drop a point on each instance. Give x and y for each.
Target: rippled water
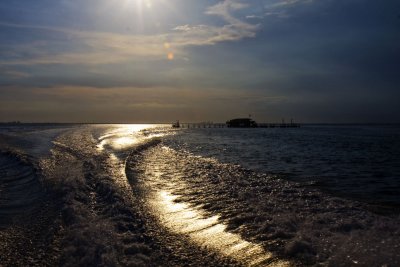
(213, 189)
(208, 231)
(361, 162)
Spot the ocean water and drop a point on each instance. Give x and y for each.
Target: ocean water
(355, 161)
(152, 195)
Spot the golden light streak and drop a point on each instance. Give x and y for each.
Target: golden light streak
(209, 232)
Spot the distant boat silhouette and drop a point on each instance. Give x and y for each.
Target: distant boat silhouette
(176, 124)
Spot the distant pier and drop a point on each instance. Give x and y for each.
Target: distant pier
(224, 125)
(203, 125)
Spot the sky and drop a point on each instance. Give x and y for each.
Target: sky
(151, 61)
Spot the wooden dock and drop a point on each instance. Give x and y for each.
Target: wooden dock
(203, 125)
(278, 125)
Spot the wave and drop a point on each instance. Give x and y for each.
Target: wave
(20, 186)
(102, 227)
(81, 214)
(28, 211)
(296, 223)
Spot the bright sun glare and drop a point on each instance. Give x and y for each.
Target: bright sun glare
(142, 3)
(141, 6)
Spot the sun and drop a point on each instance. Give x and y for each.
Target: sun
(151, 6)
(142, 3)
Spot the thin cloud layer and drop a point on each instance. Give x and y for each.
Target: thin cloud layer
(108, 48)
(128, 104)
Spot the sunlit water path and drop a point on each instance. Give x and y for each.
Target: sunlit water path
(117, 141)
(181, 218)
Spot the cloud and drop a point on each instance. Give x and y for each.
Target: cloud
(129, 104)
(95, 47)
(210, 35)
(254, 17)
(98, 47)
(280, 8)
(117, 96)
(16, 74)
(234, 30)
(224, 9)
(287, 3)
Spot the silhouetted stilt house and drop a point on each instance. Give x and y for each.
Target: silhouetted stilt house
(241, 123)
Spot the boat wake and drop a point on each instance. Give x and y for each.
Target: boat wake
(116, 195)
(260, 219)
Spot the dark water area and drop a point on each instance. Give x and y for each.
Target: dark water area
(355, 161)
(36, 139)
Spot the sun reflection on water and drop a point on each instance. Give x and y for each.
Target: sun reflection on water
(180, 217)
(207, 231)
(123, 136)
(118, 140)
